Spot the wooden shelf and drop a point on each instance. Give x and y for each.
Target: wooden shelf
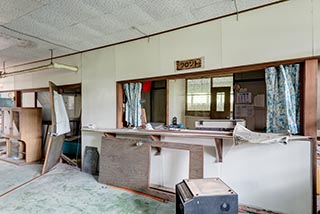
(23, 125)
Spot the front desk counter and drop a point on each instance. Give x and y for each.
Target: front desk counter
(125, 155)
(271, 176)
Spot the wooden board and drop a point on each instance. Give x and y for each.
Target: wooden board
(55, 143)
(125, 162)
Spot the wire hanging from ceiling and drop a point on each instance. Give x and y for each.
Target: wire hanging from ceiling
(38, 38)
(236, 6)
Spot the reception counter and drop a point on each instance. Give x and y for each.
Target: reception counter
(272, 176)
(126, 155)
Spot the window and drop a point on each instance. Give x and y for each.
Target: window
(220, 101)
(198, 94)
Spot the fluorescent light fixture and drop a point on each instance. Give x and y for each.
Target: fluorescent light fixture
(52, 65)
(64, 66)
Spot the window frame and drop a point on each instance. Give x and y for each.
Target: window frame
(196, 113)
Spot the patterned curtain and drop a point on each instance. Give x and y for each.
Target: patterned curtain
(133, 105)
(283, 98)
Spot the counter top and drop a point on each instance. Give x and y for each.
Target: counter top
(172, 133)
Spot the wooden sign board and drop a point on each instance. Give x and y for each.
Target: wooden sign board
(189, 64)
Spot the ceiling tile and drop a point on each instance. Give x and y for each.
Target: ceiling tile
(31, 26)
(191, 4)
(106, 24)
(168, 23)
(62, 13)
(132, 15)
(214, 10)
(245, 4)
(10, 9)
(124, 35)
(87, 35)
(161, 9)
(108, 6)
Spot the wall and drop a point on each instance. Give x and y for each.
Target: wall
(177, 90)
(98, 93)
(282, 31)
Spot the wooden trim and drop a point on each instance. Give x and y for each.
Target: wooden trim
(167, 102)
(119, 105)
(314, 173)
(219, 149)
(71, 86)
(17, 99)
(155, 137)
(112, 135)
(35, 99)
(309, 98)
(148, 36)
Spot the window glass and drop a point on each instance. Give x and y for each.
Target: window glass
(198, 94)
(220, 101)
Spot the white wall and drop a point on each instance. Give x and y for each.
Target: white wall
(177, 100)
(278, 32)
(98, 93)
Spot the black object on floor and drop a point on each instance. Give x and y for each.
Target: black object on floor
(91, 160)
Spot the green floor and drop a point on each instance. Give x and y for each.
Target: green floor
(67, 190)
(12, 175)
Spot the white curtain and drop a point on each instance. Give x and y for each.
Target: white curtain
(133, 105)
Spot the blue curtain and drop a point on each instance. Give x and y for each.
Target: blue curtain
(133, 105)
(283, 98)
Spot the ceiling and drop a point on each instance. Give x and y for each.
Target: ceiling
(30, 28)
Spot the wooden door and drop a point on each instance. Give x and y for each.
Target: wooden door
(220, 103)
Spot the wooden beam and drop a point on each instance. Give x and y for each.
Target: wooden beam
(309, 98)
(219, 149)
(17, 99)
(119, 105)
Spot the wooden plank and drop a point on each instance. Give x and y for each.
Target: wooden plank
(309, 98)
(17, 99)
(155, 137)
(53, 153)
(314, 173)
(124, 164)
(28, 123)
(219, 149)
(119, 105)
(54, 148)
(196, 168)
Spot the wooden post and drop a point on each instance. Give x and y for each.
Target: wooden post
(309, 98)
(119, 106)
(17, 99)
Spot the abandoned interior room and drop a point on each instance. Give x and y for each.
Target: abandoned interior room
(159, 107)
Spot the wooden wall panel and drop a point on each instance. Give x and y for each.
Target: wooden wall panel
(124, 164)
(309, 98)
